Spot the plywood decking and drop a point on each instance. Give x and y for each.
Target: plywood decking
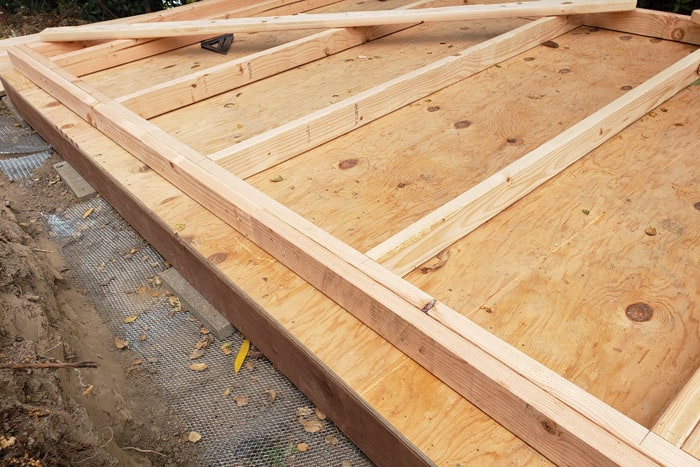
(529, 305)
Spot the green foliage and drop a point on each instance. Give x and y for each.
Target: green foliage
(676, 6)
(89, 10)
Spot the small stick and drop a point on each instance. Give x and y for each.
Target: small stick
(50, 365)
(144, 450)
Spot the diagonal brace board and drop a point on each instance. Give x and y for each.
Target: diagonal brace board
(417, 243)
(342, 273)
(337, 20)
(291, 139)
(170, 95)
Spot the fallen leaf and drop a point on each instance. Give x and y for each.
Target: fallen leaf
(120, 344)
(137, 362)
(198, 366)
(130, 319)
(204, 342)
(88, 390)
(304, 411)
(196, 353)
(204, 331)
(241, 400)
(272, 394)
(193, 437)
(227, 392)
(250, 365)
(242, 353)
(179, 227)
(7, 442)
(88, 212)
(302, 447)
(226, 348)
(145, 327)
(346, 464)
(143, 337)
(331, 440)
(320, 414)
(312, 426)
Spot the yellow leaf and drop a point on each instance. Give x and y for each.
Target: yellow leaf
(193, 437)
(242, 353)
(88, 212)
(130, 319)
(179, 227)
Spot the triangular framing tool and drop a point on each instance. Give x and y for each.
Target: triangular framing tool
(220, 44)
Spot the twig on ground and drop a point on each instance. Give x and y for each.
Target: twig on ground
(49, 365)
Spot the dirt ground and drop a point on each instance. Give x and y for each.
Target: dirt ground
(50, 416)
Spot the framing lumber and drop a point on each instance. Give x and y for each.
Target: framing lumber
(335, 20)
(657, 24)
(507, 385)
(293, 138)
(109, 54)
(171, 95)
(682, 416)
(414, 245)
(360, 421)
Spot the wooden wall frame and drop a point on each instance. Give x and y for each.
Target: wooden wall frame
(557, 418)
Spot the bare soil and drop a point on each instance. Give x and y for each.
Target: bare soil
(52, 416)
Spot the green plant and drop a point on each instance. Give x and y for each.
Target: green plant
(674, 6)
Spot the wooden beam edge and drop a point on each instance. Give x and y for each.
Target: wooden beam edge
(682, 416)
(335, 20)
(352, 414)
(650, 23)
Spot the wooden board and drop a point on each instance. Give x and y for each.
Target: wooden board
(342, 171)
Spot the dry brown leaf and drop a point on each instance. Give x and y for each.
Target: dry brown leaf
(130, 319)
(204, 331)
(88, 212)
(346, 464)
(331, 440)
(226, 348)
(304, 411)
(302, 447)
(250, 365)
(312, 426)
(272, 394)
(120, 344)
(196, 353)
(88, 390)
(198, 366)
(241, 400)
(193, 437)
(227, 392)
(320, 414)
(7, 442)
(143, 337)
(137, 362)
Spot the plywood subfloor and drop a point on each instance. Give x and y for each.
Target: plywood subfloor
(545, 276)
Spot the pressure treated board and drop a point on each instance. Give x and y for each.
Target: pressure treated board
(517, 291)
